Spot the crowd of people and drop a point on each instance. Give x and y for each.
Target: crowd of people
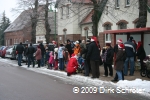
(86, 55)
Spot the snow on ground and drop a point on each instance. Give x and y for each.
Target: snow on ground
(136, 86)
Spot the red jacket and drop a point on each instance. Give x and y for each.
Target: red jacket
(72, 65)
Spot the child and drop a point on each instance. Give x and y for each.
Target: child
(72, 65)
(51, 60)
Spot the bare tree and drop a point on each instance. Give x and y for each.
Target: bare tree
(142, 13)
(34, 20)
(99, 6)
(47, 26)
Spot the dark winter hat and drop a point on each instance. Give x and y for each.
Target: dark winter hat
(68, 40)
(131, 38)
(88, 41)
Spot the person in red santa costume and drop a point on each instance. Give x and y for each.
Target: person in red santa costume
(72, 65)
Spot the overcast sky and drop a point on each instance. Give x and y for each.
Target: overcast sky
(7, 5)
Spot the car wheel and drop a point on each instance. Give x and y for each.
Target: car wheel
(143, 73)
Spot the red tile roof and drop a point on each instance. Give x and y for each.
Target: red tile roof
(88, 18)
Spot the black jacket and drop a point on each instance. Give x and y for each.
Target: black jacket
(110, 55)
(141, 53)
(93, 52)
(30, 50)
(20, 49)
(68, 46)
(43, 51)
(85, 52)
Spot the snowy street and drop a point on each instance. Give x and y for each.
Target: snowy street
(22, 83)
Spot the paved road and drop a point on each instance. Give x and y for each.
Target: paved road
(17, 83)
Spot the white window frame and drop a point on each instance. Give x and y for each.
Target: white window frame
(107, 36)
(127, 2)
(117, 3)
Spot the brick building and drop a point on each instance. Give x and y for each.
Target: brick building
(19, 30)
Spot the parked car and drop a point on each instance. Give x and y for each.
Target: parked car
(9, 53)
(1, 48)
(13, 53)
(3, 52)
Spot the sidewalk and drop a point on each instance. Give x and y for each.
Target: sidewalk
(136, 75)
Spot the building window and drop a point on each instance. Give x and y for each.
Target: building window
(117, 4)
(127, 2)
(107, 36)
(122, 25)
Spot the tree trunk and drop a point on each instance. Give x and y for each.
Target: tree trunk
(47, 26)
(98, 10)
(142, 14)
(34, 20)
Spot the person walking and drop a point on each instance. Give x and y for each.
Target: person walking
(141, 54)
(30, 52)
(108, 60)
(38, 56)
(19, 51)
(120, 55)
(93, 54)
(130, 53)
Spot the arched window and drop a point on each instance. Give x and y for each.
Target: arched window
(122, 25)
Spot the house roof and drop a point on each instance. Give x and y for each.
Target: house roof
(134, 30)
(88, 18)
(20, 22)
(81, 1)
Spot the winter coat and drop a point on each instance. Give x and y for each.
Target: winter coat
(109, 56)
(25, 51)
(141, 53)
(51, 59)
(60, 52)
(20, 49)
(77, 49)
(93, 52)
(130, 48)
(30, 50)
(69, 48)
(47, 56)
(119, 61)
(42, 49)
(38, 54)
(72, 65)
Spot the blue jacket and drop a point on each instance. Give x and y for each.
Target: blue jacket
(60, 52)
(130, 48)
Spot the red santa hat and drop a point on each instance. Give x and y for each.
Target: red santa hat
(95, 39)
(121, 46)
(119, 40)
